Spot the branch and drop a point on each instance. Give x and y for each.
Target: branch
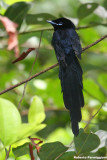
(51, 28)
(36, 30)
(94, 43)
(90, 26)
(35, 75)
(47, 69)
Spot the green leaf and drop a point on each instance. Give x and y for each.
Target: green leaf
(21, 150)
(102, 79)
(17, 12)
(40, 84)
(51, 150)
(27, 130)
(24, 37)
(102, 151)
(86, 9)
(25, 157)
(60, 134)
(86, 142)
(105, 4)
(95, 60)
(10, 121)
(2, 152)
(93, 89)
(13, 1)
(11, 128)
(39, 18)
(36, 112)
(67, 156)
(21, 142)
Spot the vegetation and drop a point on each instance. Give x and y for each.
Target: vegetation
(33, 120)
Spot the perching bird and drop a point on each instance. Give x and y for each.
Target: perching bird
(67, 48)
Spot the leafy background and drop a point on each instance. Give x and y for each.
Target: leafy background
(31, 17)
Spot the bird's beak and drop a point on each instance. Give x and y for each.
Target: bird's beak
(51, 22)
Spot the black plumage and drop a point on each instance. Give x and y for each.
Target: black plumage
(67, 48)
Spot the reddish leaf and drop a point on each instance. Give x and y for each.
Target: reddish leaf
(23, 55)
(12, 32)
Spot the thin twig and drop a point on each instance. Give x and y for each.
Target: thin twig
(37, 53)
(51, 28)
(90, 26)
(47, 69)
(36, 30)
(7, 155)
(93, 116)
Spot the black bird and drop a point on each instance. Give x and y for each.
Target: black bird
(67, 48)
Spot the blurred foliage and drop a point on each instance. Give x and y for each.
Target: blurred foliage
(31, 16)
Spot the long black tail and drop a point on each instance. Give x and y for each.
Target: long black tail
(71, 82)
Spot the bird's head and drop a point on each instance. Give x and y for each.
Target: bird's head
(61, 23)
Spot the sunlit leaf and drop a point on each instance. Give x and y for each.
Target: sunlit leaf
(102, 79)
(10, 121)
(14, 1)
(20, 142)
(25, 157)
(36, 112)
(28, 129)
(88, 39)
(61, 134)
(93, 89)
(11, 128)
(2, 152)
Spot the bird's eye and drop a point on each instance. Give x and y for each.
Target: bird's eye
(60, 23)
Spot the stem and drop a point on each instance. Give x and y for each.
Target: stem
(31, 151)
(7, 154)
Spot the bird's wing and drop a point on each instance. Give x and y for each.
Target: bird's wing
(59, 51)
(75, 42)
